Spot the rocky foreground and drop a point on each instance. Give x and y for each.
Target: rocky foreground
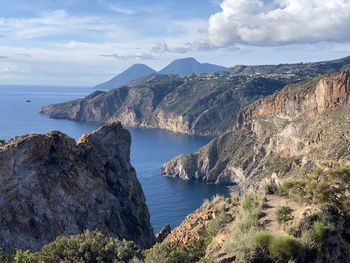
(291, 132)
(51, 185)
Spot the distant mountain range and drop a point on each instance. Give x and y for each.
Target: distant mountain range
(134, 72)
(182, 67)
(187, 66)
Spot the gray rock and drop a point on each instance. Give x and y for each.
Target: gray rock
(163, 233)
(51, 185)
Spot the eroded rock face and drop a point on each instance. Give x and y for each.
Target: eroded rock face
(51, 185)
(192, 105)
(293, 131)
(198, 104)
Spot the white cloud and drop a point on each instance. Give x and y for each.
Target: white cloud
(280, 22)
(141, 56)
(13, 68)
(121, 9)
(195, 46)
(60, 23)
(131, 10)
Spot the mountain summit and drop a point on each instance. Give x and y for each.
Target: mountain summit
(182, 67)
(134, 72)
(187, 66)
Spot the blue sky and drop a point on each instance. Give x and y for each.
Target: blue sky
(85, 42)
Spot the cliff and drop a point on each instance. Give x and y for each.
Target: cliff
(193, 105)
(292, 131)
(204, 104)
(51, 185)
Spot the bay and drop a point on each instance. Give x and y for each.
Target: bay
(169, 200)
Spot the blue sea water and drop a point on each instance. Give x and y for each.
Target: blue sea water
(169, 200)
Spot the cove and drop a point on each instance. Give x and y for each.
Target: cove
(169, 200)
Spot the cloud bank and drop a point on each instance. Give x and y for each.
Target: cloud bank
(280, 22)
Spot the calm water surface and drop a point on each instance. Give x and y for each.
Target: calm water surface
(169, 200)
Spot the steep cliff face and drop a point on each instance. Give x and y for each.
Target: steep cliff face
(193, 105)
(205, 104)
(51, 185)
(289, 132)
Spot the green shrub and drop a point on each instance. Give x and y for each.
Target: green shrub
(245, 248)
(281, 191)
(325, 188)
(3, 259)
(283, 248)
(319, 229)
(88, 247)
(26, 257)
(263, 238)
(250, 203)
(295, 189)
(172, 252)
(283, 214)
(2, 142)
(217, 223)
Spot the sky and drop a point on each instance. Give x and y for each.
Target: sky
(86, 42)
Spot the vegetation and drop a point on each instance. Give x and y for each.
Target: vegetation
(2, 142)
(283, 215)
(306, 240)
(324, 188)
(87, 247)
(172, 252)
(242, 243)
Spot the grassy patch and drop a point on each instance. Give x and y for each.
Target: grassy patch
(283, 215)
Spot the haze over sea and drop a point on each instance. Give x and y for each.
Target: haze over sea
(169, 200)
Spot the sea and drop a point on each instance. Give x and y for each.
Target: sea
(169, 200)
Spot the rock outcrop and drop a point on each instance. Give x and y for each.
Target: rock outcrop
(51, 185)
(292, 131)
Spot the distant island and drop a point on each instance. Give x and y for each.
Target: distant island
(180, 67)
(200, 104)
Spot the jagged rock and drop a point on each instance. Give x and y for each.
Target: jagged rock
(51, 185)
(293, 131)
(166, 230)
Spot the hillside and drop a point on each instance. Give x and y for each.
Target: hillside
(305, 218)
(187, 66)
(290, 132)
(205, 104)
(192, 105)
(134, 72)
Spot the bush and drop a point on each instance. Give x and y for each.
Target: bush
(88, 247)
(26, 257)
(246, 249)
(325, 188)
(250, 203)
(173, 252)
(283, 248)
(283, 214)
(281, 191)
(263, 238)
(2, 142)
(3, 259)
(319, 230)
(217, 223)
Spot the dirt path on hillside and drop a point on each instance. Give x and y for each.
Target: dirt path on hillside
(273, 202)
